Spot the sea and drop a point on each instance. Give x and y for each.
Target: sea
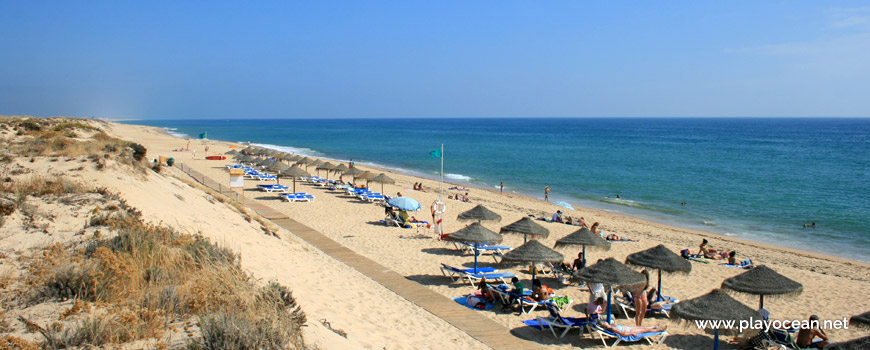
(761, 179)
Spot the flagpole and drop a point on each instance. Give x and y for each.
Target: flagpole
(442, 173)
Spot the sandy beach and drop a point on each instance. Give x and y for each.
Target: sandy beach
(830, 283)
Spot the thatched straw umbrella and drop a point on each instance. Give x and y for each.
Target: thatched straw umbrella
(244, 158)
(479, 213)
(526, 227)
(325, 166)
(263, 162)
(662, 259)
(854, 344)
(475, 233)
(860, 321)
(762, 280)
(612, 274)
(340, 169)
(352, 172)
(713, 306)
(584, 237)
(533, 252)
(290, 158)
(365, 175)
(383, 179)
(277, 168)
(232, 152)
(306, 162)
(294, 172)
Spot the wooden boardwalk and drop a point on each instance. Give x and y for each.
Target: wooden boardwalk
(471, 322)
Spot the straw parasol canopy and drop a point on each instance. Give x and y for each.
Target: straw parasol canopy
(305, 160)
(532, 252)
(860, 321)
(762, 281)
(475, 233)
(612, 273)
(716, 305)
(526, 227)
(662, 259)
(232, 152)
(383, 179)
(247, 150)
(317, 163)
(584, 237)
(365, 175)
(277, 168)
(294, 172)
(263, 162)
(341, 168)
(290, 157)
(854, 344)
(479, 213)
(325, 166)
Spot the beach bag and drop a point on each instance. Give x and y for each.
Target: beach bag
(475, 302)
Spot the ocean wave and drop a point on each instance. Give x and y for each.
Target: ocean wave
(458, 177)
(563, 204)
(287, 149)
(173, 132)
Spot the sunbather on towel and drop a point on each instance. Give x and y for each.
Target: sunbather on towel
(732, 260)
(627, 331)
(609, 237)
(711, 253)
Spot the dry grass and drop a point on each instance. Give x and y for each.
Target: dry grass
(147, 276)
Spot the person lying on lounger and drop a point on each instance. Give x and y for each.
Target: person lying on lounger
(627, 331)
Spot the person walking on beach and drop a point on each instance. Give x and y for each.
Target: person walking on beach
(350, 164)
(547, 193)
(501, 187)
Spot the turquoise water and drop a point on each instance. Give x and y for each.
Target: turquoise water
(759, 179)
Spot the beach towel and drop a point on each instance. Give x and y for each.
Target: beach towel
(560, 301)
(745, 264)
(463, 300)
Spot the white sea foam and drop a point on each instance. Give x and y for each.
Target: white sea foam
(292, 150)
(458, 177)
(174, 132)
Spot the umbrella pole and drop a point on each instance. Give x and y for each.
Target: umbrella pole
(660, 287)
(609, 292)
(475, 257)
(294, 184)
(582, 259)
(716, 339)
(761, 302)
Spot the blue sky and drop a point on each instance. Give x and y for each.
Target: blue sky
(211, 59)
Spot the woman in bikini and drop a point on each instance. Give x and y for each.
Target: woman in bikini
(627, 331)
(640, 299)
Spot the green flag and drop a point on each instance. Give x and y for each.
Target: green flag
(436, 153)
(202, 136)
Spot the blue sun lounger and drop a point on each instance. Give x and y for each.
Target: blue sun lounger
(297, 197)
(604, 334)
(472, 277)
(556, 320)
(273, 188)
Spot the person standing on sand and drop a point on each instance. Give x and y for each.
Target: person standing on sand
(194, 153)
(206, 151)
(350, 164)
(501, 187)
(188, 144)
(547, 193)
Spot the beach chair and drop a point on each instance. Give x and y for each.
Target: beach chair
(297, 197)
(266, 177)
(473, 278)
(604, 334)
(496, 251)
(556, 320)
(457, 273)
(525, 302)
(273, 188)
(626, 303)
(781, 339)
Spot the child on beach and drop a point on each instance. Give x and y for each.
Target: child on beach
(594, 309)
